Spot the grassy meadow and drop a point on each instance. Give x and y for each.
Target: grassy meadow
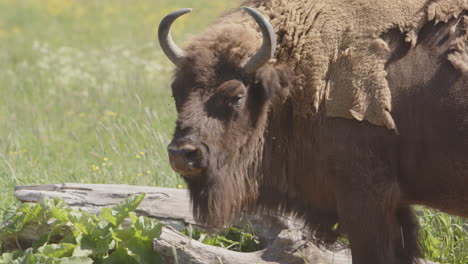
(85, 97)
(85, 91)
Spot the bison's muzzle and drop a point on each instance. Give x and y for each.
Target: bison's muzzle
(185, 157)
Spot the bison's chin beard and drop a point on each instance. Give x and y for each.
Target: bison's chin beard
(219, 198)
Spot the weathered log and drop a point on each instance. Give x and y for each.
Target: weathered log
(288, 246)
(283, 238)
(170, 206)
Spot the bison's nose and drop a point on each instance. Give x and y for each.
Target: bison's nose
(185, 157)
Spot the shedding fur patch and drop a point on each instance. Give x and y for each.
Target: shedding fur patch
(336, 50)
(459, 55)
(334, 47)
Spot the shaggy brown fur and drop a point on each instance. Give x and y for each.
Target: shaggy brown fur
(263, 150)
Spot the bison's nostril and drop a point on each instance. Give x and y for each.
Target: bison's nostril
(185, 158)
(188, 154)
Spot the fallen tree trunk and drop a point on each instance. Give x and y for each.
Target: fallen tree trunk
(288, 246)
(283, 238)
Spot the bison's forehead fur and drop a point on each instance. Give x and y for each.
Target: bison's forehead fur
(220, 52)
(212, 59)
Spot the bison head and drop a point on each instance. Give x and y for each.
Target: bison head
(223, 88)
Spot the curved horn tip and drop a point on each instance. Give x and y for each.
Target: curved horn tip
(172, 51)
(185, 10)
(248, 8)
(267, 50)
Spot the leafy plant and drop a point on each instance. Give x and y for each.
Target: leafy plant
(79, 237)
(231, 238)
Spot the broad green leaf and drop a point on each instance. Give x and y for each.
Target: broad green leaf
(83, 221)
(147, 228)
(133, 217)
(49, 203)
(7, 258)
(94, 246)
(121, 256)
(26, 213)
(109, 215)
(61, 214)
(38, 258)
(123, 234)
(14, 224)
(76, 260)
(32, 212)
(12, 255)
(142, 251)
(123, 209)
(78, 251)
(57, 250)
(27, 258)
(69, 239)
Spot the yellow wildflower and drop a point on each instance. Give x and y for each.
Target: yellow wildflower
(80, 11)
(140, 174)
(137, 156)
(148, 172)
(179, 186)
(103, 164)
(110, 113)
(57, 7)
(16, 29)
(105, 159)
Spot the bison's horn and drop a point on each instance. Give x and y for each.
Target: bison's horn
(267, 50)
(172, 51)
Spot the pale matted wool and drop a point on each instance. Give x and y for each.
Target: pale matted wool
(459, 54)
(336, 48)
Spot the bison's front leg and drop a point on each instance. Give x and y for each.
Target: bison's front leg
(378, 234)
(380, 228)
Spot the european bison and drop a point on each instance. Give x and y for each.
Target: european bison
(344, 113)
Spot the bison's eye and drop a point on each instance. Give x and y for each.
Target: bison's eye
(236, 100)
(233, 92)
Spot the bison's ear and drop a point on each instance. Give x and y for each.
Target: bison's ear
(274, 82)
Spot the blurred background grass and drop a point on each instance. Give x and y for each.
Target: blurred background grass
(86, 91)
(85, 98)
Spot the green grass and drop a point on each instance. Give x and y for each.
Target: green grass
(232, 238)
(85, 98)
(445, 238)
